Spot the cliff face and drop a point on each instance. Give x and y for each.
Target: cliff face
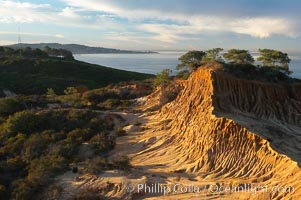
(223, 128)
(263, 100)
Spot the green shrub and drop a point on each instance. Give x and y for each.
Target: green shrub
(73, 100)
(9, 106)
(35, 146)
(53, 192)
(97, 165)
(65, 148)
(79, 135)
(23, 189)
(110, 104)
(16, 165)
(50, 94)
(40, 170)
(102, 142)
(70, 91)
(99, 95)
(13, 145)
(24, 122)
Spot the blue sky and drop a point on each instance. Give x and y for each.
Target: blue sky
(155, 24)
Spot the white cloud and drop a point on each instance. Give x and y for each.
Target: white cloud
(69, 12)
(260, 27)
(264, 27)
(182, 26)
(16, 12)
(32, 34)
(59, 35)
(11, 12)
(255, 27)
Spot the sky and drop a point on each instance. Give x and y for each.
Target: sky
(155, 24)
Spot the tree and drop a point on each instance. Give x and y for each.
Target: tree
(238, 56)
(163, 77)
(274, 58)
(213, 55)
(191, 60)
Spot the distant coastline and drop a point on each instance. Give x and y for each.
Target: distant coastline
(79, 49)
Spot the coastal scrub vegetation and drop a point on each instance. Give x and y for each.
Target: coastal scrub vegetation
(55, 114)
(163, 78)
(169, 90)
(34, 76)
(42, 136)
(37, 146)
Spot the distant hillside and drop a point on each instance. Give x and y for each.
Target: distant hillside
(34, 76)
(78, 49)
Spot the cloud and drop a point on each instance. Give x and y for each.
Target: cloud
(183, 22)
(264, 27)
(11, 12)
(59, 36)
(17, 12)
(143, 22)
(69, 12)
(32, 34)
(78, 14)
(255, 27)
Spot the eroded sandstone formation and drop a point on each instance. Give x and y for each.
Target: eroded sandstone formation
(224, 128)
(219, 131)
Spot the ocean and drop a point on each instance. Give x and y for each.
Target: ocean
(154, 63)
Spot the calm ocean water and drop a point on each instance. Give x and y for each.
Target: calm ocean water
(154, 63)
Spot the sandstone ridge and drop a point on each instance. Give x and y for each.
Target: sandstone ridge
(224, 128)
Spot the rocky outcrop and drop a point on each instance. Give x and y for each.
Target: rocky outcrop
(224, 128)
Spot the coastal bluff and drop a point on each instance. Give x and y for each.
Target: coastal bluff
(221, 127)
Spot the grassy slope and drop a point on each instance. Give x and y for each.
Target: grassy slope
(34, 76)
